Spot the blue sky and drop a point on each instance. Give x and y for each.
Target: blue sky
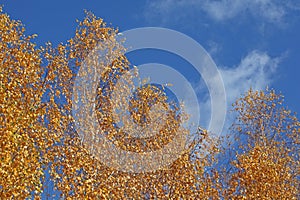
(253, 42)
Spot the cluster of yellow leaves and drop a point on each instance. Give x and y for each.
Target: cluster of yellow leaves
(21, 144)
(269, 137)
(79, 175)
(38, 132)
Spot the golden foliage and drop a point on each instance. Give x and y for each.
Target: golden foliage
(21, 108)
(267, 159)
(38, 131)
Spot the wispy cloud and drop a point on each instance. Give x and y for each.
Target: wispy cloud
(256, 70)
(266, 10)
(213, 47)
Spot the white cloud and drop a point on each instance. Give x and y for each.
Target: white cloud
(213, 47)
(266, 10)
(257, 70)
(226, 9)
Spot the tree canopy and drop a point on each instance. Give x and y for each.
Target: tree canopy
(38, 134)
